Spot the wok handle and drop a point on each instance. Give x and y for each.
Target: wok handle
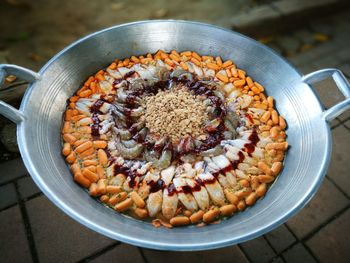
(342, 84)
(7, 110)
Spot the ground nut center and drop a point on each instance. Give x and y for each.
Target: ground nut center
(175, 113)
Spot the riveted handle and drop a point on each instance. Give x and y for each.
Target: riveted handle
(7, 110)
(342, 84)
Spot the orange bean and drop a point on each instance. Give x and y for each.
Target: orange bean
(228, 72)
(244, 183)
(71, 158)
(261, 190)
(124, 205)
(263, 178)
(218, 61)
(196, 217)
(196, 61)
(141, 213)
(259, 86)
(74, 99)
(251, 199)
(69, 138)
(88, 81)
(75, 168)
(66, 149)
(100, 171)
(239, 83)
(265, 128)
(211, 215)
(243, 193)
(249, 82)
(93, 189)
(135, 59)
(77, 117)
(80, 142)
(210, 58)
(102, 156)
(174, 57)
(282, 123)
(139, 202)
(241, 74)
(101, 186)
(274, 132)
(265, 117)
(180, 221)
(183, 65)
(241, 205)
(187, 213)
(84, 129)
(104, 198)
(87, 153)
(196, 56)
(116, 198)
(274, 117)
(80, 179)
(264, 167)
(85, 93)
(186, 53)
(222, 77)
(113, 189)
(92, 168)
(83, 147)
(276, 168)
(93, 177)
(228, 210)
(68, 115)
(113, 66)
(254, 182)
(270, 101)
(169, 62)
(255, 90)
(277, 146)
(89, 162)
(227, 63)
(213, 66)
(231, 197)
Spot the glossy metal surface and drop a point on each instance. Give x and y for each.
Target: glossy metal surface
(308, 132)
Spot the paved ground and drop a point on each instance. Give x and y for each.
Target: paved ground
(32, 229)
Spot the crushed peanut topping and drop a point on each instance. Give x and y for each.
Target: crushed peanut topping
(175, 113)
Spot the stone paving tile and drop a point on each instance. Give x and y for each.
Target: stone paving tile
(327, 202)
(228, 254)
(339, 169)
(122, 253)
(258, 250)
(7, 195)
(59, 238)
(298, 253)
(13, 241)
(331, 243)
(11, 170)
(27, 187)
(280, 238)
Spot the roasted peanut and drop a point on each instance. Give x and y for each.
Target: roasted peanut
(274, 117)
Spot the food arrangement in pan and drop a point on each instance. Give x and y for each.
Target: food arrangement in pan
(175, 138)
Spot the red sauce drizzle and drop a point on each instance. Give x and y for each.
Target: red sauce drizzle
(95, 111)
(254, 139)
(156, 186)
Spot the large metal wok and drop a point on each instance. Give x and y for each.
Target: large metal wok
(40, 115)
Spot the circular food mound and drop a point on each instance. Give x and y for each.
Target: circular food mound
(176, 138)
